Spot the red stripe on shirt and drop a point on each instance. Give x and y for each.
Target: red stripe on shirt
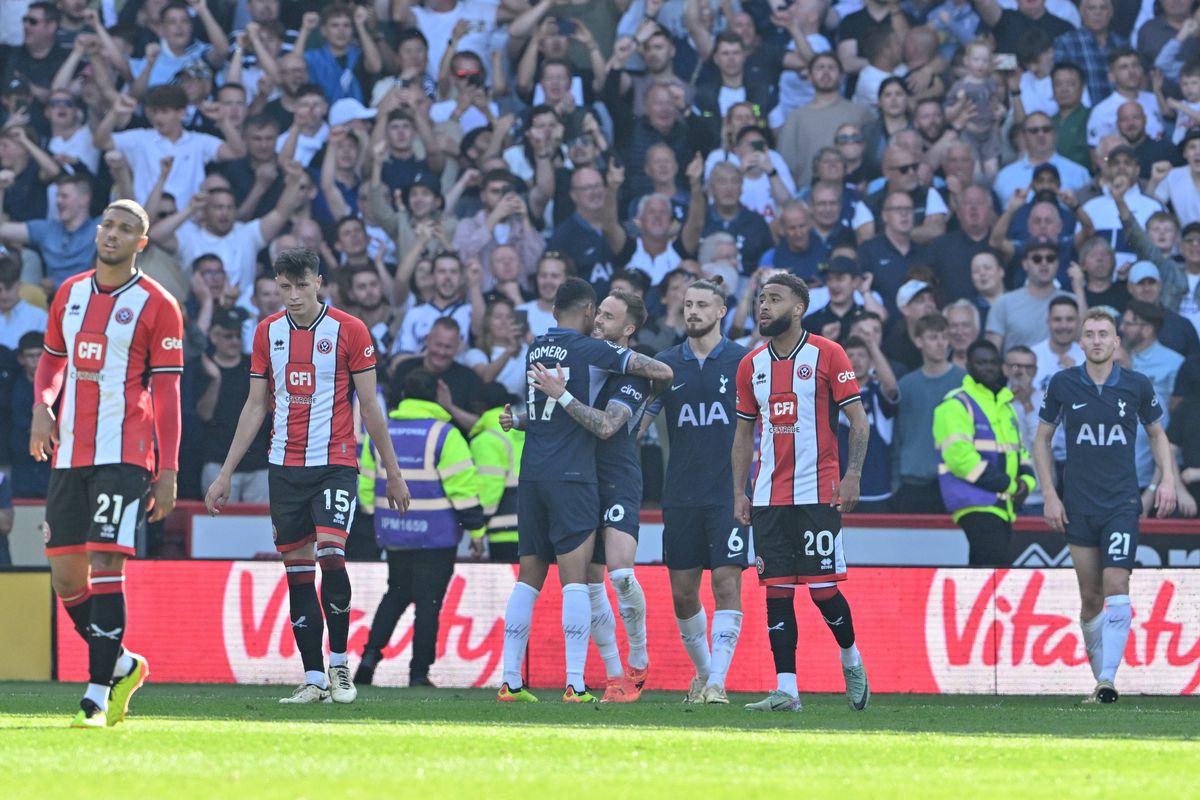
(87, 393)
(300, 350)
(783, 471)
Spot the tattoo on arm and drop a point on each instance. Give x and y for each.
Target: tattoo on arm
(602, 424)
(649, 368)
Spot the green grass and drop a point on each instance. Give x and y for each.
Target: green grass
(191, 741)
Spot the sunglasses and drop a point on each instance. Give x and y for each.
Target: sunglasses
(1039, 129)
(61, 104)
(1047, 258)
(848, 138)
(904, 169)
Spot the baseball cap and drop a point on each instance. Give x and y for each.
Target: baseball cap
(195, 69)
(1143, 271)
(1044, 168)
(842, 266)
(1119, 150)
(1192, 135)
(348, 109)
(1040, 243)
(1190, 228)
(230, 318)
(910, 290)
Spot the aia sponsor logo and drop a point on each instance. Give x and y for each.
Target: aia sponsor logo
(261, 648)
(325, 347)
(1017, 632)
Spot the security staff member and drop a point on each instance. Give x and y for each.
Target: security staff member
(985, 474)
(421, 544)
(497, 456)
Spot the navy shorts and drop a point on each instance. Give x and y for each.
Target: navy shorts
(306, 501)
(620, 502)
(1114, 531)
(798, 544)
(555, 517)
(96, 509)
(704, 538)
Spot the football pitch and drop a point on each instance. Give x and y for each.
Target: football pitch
(200, 741)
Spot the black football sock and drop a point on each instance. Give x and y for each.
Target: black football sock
(335, 597)
(106, 625)
(307, 624)
(781, 627)
(79, 609)
(836, 612)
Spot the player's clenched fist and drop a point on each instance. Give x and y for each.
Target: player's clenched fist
(218, 494)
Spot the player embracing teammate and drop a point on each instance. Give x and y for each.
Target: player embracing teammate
(795, 384)
(306, 361)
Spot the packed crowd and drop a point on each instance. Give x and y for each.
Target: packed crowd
(936, 173)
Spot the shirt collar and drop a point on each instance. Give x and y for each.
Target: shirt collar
(1113, 376)
(689, 355)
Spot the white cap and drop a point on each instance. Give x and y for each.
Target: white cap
(348, 109)
(1143, 271)
(910, 290)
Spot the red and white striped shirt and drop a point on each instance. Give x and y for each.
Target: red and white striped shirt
(309, 371)
(796, 397)
(112, 342)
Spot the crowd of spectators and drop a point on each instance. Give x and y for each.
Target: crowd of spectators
(936, 172)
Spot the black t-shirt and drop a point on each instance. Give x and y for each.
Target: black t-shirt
(26, 199)
(1115, 296)
(1013, 26)
(38, 71)
(816, 321)
(1152, 150)
(1184, 431)
(462, 381)
(240, 174)
(218, 431)
(398, 173)
(951, 254)
(588, 248)
(859, 24)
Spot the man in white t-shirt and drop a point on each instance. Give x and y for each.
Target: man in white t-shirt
(145, 148)
(1126, 73)
(551, 272)
(237, 244)
(437, 18)
(447, 301)
(1061, 350)
(309, 131)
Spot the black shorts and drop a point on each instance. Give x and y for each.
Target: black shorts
(306, 501)
(620, 503)
(96, 509)
(798, 544)
(1114, 532)
(555, 517)
(704, 538)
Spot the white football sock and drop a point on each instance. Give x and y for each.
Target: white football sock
(316, 678)
(576, 624)
(1093, 643)
(631, 602)
(786, 683)
(604, 630)
(123, 666)
(518, 616)
(98, 694)
(726, 627)
(1117, 616)
(337, 659)
(850, 656)
(694, 633)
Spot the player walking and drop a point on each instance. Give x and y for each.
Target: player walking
(558, 501)
(794, 385)
(1099, 404)
(699, 529)
(309, 357)
(619, 476)
(122, 335)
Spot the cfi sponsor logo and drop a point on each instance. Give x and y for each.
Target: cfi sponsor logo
(260, 647)
(1017, 632)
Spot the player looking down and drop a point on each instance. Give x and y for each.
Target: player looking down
(306, 361)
